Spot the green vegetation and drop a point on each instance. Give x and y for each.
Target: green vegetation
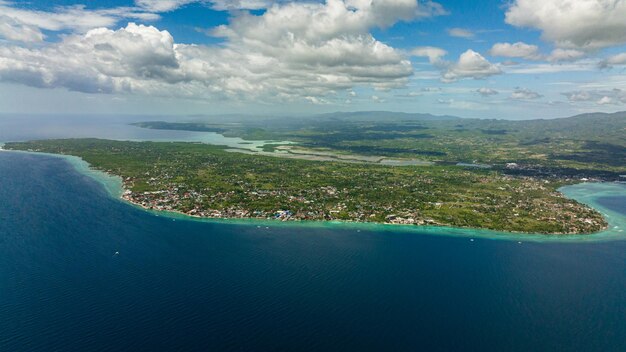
(590, 145)
(208, 181)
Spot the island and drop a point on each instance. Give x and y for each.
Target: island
(211, 181)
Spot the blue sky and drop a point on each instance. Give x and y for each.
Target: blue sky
(495, 59)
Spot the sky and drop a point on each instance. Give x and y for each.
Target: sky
(513, 59)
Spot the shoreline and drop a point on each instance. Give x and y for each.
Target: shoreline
(250, 219)
(432, 230)
(114, 186)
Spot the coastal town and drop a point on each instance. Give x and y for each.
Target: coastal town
(179, 198)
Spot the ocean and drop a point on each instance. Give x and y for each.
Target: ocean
(83, 271)
(80, 270)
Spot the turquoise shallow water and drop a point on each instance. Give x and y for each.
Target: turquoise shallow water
(83, 271)
(608, 199)
(596, 195)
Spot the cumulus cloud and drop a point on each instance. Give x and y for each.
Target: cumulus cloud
(485, 92)
(470, 65)
(560, 55)
(601, 97)
(330, 41)
(531, 52)
(317, 22)
(433, 54)
(516, 50)
(290, 51)
(524, 94)
(615, 60)
(573, 24)
(605, 100)
(460, 33)
(102, 60)
(578, 96)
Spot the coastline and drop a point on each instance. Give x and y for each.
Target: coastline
(434, 230)
(114, 186)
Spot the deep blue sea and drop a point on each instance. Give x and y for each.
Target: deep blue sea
(83, 271)
(193, 286)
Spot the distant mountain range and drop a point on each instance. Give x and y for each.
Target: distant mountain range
(384, 115)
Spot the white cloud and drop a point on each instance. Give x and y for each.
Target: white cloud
(573, 24)
(460, 33)
(429, 8)
(470, 65)
(316, 22)
(578, 96)
(316, 100)
(560, 55)
(163, 5)
(605, 100)
(433, 54)
(516, 50)
(241, 4)
(13, 29)
(531, 52)
(615, 60)
(524, 94)
(291, 51)
(600, 97)
(377, 99)
(102, 60)
(425, 8)
(222, 5)
(73, 18)
(485, 92)
(543, 68)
